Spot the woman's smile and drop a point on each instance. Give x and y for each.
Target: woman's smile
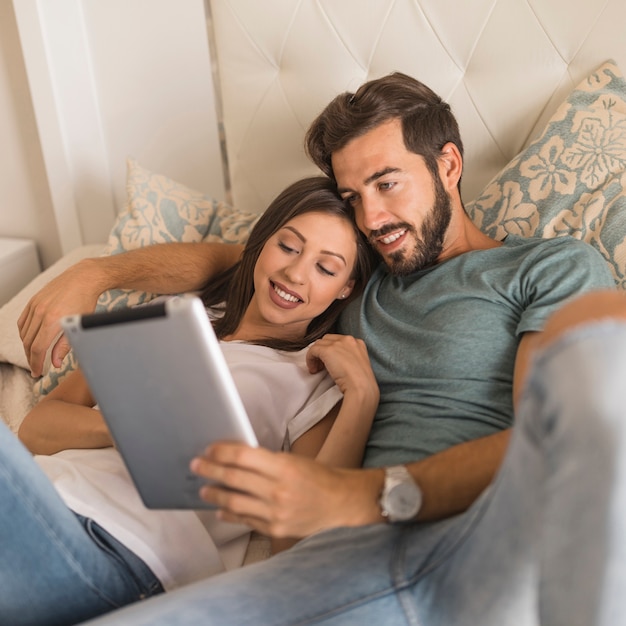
(284, 297)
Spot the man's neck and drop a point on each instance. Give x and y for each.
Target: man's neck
(464, 236)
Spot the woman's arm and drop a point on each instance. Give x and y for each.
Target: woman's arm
(65, 419)
(160, 268)
(339, 439)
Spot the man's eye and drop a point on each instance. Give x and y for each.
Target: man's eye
(351, 200)
(386, 186)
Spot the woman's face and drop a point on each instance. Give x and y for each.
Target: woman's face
(301, 270)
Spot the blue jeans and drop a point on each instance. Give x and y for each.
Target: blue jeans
(56, 567)
(545, 544)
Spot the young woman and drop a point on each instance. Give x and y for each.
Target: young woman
(75, 539)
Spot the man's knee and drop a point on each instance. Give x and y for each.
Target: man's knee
(588, 308)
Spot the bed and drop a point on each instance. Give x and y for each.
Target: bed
(537, 87)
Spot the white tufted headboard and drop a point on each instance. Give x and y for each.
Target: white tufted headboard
(503, 65)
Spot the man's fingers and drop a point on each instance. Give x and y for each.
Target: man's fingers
(59, 351)
(257, 460)
(34, 356)
(23, 320)
(241, 495)
(235, 502)
(238, 466)
(36, 345)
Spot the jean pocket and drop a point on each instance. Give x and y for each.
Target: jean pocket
(137, 581)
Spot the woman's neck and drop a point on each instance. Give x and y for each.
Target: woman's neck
(253, 329)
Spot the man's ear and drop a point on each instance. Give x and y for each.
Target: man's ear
(450, 165)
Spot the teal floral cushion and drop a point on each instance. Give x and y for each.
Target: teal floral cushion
(159, 210)
(572, 179)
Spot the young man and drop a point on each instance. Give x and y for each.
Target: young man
(422, 534)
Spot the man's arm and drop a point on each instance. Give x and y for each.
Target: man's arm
(161, 268)
(284, 495)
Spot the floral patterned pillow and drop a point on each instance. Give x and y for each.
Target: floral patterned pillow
(572, 179)
(159, 210)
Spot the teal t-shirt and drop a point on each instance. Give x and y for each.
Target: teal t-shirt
(443, 341)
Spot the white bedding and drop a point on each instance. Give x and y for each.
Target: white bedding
(16, 394)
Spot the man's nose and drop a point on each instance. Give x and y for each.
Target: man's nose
(373, 214)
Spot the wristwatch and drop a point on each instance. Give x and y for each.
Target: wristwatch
(401, 498)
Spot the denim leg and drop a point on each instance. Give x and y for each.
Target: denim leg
(474, 568)
(550, 545)
(56, 568)
(345, 577)
(486, 569)
(578, 397)
(340, 576)
(543, 545)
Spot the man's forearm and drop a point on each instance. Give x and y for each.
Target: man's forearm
(162, 268)
(451, 480)
(292, 496)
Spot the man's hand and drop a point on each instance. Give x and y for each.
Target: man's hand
(160, 268)
(39, 323)
(285, 495)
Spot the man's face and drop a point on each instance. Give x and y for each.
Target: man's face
(401, 208)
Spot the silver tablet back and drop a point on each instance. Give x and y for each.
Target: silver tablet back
(160, 379)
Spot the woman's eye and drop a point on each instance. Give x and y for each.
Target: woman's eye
(285, 247)
(325, 271)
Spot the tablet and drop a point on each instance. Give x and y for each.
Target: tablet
(163, 386)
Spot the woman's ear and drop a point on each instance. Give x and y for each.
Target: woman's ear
(347, 290)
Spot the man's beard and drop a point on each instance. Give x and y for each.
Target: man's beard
(428, 247)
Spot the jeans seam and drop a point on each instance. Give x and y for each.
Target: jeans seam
(460, 538)
(343, 608)
(395, 588)
(401, 584)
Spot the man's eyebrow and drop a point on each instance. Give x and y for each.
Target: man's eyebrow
(302, 238)
(373, 177)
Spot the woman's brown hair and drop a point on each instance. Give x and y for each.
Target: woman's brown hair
(232, 290)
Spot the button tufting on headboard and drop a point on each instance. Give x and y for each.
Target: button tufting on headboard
(504, 66)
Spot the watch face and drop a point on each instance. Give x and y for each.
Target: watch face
(403, 501)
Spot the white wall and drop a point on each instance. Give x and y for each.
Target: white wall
(104, 80)
(25, 205)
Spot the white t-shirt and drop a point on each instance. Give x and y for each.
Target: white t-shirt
(283, 400)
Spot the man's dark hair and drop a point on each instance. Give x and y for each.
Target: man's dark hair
(427, 121)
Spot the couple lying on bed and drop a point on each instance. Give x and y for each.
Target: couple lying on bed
(81, 541)
(488, 524)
